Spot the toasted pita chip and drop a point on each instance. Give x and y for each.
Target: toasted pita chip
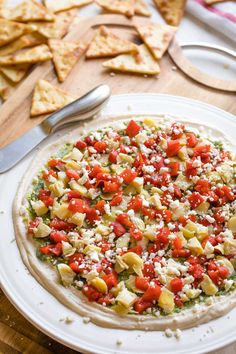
(6, 87)
(105, 44)
(59, 27)
(62, 5)
(124, 7)
(36, 54)
(15, 73)
(141, 8)
(10, 30)
(65, 56)
(48, 98)
(157, 37)
(2, 8)
(171, 10)
(28, 40)
(29, 10)
(211, 2)
(141, 63)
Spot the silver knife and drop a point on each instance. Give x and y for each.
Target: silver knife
(83, 108)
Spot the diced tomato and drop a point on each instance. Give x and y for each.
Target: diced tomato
(191, 140)
(215, 277)
(162, 236)
(58, 236)
(202, 149)
(76, 257)
(117, 199)
(148, 270)
(73, 195)
(100, 146)
(158, 161)
(72, 174)
(219, 215)
(111, 279)
(104, 245)
(224, 271)
(78, 205)
(202, 186)
(47, 174)
(177, 243)
(80, 144)
(89, 140)
(56, 163)
(132, 129)
(124, 220)
(140, 160)
(95, 170)
(92, 215)
(178, 301)
(226, 192)
(176, 285)
(110, 187)
(195, 199)
(180, 253)
(136, 249)
(135, 203)
(118, 228)
(100, 206)
(32, 225)
(174, 168)
(191, 170)
(58, 224)
(142, 283)
(196, 271)
(136, 233)
(56, 250)
(184, 219)
(173, 147)
(128, 175)
(113, 156)
(140, 305)
(177, 130)
(152, 293)
(149, 212)
(166, 215)
(45, 197)
(150, 143)
(90, 292)
(105, 299)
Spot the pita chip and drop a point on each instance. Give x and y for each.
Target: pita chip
(15, 73)
(211, 2)
(58, 28)
(141, 8)
(10, 30)
(171, 10)
(65, 56)
(156, 37)
(124, 7)
(36, 54)
(105, 44)
(6, 87)
(30, 10)
(28, 40)
(48, 98)
(62, 5)
(141, 63)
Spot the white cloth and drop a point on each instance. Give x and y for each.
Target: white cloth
(221, 16)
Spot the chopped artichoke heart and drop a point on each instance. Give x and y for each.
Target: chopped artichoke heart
(57, 188)
(232, 224)
(78, 188)
(42, 230)
(195, 246)
(150, 232)
(123, 241)
(138, 184)
(166, 300)
(61, 211)
(229, 247)
(208, 286)
(77, 219)
(133, 261)
(226, 263)
(99, 284)
(67, 249)
(66, 273)
(151, 123)
(125, 158)
(126, 298)
(39, 207)
(120, 265)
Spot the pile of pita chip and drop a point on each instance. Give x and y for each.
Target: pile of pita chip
(15, 73)
(65, 56)
(107, 44)
(25, 41)
(171, 10)
(157, 37)
(10, 30)
(128, 8)
(62, 5)
(29, 10)
(48, 98)
(33, 55)
(6, 87)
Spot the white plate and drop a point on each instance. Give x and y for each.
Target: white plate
(45, 312)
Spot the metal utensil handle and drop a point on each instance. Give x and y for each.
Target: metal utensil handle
(212, 47)
(83, 107)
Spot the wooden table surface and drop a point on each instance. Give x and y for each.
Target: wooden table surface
(17, 335)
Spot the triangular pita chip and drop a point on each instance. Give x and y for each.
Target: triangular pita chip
(30, 10)
(124, 7)
(65, 56)
(59, 27)
(211, 2)
(48, 98)
(106, 43)
(33, 55)
(157, 37)
(61, 5)
(141, 8)
(142, 63)
(171, 10)
(15, 73)
(10, 30)
(6, 87)
(28, 40)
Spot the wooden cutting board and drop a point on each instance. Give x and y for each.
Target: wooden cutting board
(14, 114)
(17, 335)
